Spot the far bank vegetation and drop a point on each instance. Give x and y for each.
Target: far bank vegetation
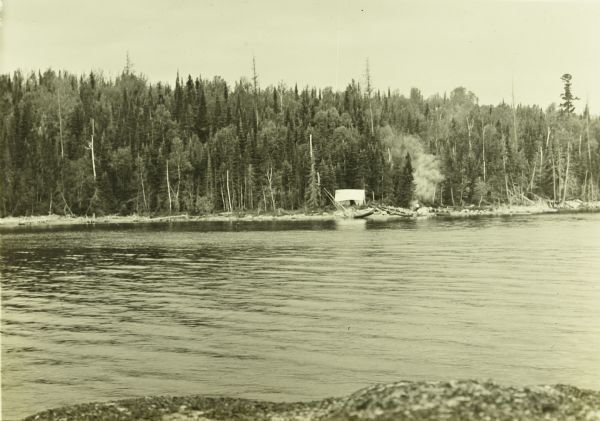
(83, 145)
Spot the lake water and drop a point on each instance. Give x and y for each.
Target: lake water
(294, 310)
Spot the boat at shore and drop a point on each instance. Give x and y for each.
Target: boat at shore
(361, 213)
(351, 204)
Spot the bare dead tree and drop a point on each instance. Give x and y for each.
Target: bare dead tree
(541, 172)
(483, 149)
(169, 187)
(369, 89)
(228, 193)
(532, 176)
(270, 180)
(587, 129)
(91, 147)
(566, 182)
(553, 180)
(142, 183)
(470, 124)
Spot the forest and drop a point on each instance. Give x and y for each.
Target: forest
(89, 145)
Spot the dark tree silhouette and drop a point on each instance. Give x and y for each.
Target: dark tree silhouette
(406, 184)
(567, 96)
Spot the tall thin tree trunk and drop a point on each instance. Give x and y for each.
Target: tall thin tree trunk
(62, 150)
(242, 187)
(245, 188)
(369, 93)
(92, 148)
(470, 125)
(590, 156)
(178, 183)
(169, 187)
(506, 181)
(566, 182)
(222, 195)
(553, 179)
(514, 112)
(559, 174)
(483, 149)
(532, 176)
(251, 190)
(143, 188)
(228, 193)
(270, 180)
(541, 164)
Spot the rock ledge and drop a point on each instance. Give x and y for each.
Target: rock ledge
(454, 400)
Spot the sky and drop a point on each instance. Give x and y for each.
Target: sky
(491, 47)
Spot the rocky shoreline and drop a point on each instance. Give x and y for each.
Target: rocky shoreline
(454, 400)
(51, 220)
(381, 213)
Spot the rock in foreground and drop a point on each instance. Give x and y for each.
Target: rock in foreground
(456, 400)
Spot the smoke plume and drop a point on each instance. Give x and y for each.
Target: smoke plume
(426, 167)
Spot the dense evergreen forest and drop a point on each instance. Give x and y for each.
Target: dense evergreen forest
(87, 145)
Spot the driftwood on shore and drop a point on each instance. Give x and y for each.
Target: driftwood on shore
(394, 211)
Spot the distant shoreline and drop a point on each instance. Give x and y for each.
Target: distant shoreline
(380, 215)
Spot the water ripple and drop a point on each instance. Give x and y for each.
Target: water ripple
(295, 311)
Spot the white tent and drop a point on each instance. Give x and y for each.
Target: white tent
(347, 195)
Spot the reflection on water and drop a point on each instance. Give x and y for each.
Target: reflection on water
(351, 224)
(295, 311)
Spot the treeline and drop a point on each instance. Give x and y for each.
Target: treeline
(87, 145)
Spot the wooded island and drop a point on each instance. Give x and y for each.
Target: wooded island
(88, 145)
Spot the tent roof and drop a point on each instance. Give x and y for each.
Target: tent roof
(357, 195)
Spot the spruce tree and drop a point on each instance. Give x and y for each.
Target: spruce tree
(202, 125)
(406, 185)
(567, 106)
(313, 193)
(275, 102)
(178, 94)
